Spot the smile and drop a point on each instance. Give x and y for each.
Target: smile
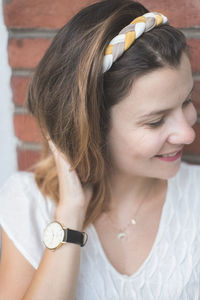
(171, 156)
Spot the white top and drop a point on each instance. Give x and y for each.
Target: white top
(170, 272)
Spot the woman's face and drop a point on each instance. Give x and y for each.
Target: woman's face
(153, 123)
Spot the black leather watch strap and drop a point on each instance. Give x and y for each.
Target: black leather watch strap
(75, 237)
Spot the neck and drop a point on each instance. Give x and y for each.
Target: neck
(128, 192)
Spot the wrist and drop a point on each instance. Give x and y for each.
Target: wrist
(70, 219)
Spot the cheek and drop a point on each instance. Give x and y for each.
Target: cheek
(149, 143)
(141, 143)
(128, 144)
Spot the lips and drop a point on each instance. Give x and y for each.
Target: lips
(171, 154)
(170, 157)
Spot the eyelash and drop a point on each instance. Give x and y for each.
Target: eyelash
(187, 102)
(156, 124)
(161, 121)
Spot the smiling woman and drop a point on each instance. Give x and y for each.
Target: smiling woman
(157, 119)
(112, 96)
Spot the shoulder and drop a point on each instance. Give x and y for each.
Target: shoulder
(186, 188)
(189, 169)
(20, 189)
(19, 181)
(188, 176)
(24, 213)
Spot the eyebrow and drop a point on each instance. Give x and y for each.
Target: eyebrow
(159, 112)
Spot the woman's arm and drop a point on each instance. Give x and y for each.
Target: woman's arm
(57, 274)
(16, 272)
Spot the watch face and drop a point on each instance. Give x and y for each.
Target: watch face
(53, 235)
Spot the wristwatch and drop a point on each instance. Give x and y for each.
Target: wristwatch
(55, 235)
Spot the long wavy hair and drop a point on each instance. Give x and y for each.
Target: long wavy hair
(71, 98)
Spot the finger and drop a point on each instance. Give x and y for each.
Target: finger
(53, 147)
(70, 188)
(59, 156)
(67, 176)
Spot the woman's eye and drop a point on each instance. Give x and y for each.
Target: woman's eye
(156, 124)
(187, 102)
(161, 121)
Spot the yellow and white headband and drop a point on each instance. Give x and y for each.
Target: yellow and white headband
(129, 34)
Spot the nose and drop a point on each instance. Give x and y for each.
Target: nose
(182, 132)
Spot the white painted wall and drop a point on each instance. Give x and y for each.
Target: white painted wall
(8, 157)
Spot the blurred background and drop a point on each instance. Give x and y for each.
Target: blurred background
(26, 31)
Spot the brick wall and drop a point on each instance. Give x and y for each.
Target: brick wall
(32, 25)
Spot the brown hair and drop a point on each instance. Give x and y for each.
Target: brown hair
(71, 98)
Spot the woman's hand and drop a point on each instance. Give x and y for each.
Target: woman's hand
(73, 197)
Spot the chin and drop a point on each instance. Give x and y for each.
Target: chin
(170, 172)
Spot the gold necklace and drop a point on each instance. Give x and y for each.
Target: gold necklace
(121, 232)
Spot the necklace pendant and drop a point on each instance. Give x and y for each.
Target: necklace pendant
(133, 221)
(121, 235)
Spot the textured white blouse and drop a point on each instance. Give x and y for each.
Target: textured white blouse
(170, 272)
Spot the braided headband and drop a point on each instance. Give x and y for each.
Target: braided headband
(129, 34)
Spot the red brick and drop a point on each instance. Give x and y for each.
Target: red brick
(19, 88)
(26, 159)
(26, 53)
(41, 13)
(26, 128)
(194, 148)
(180, 13)
(54, 14)
(194, 51)
(196, 96)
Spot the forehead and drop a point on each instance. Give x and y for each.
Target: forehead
(158, 90)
